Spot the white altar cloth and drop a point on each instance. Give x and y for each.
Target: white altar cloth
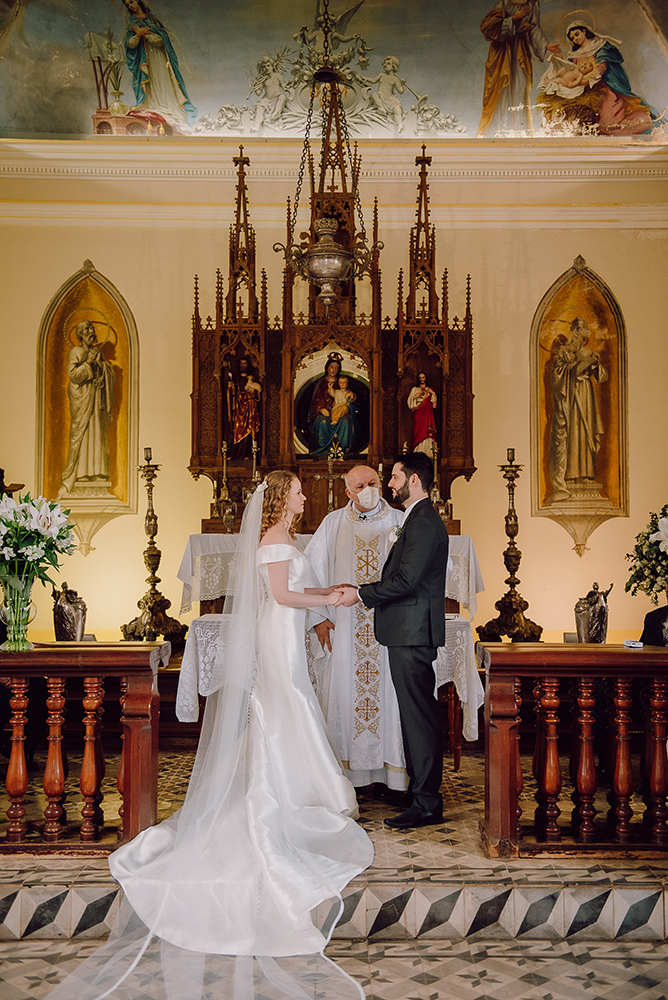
(205, 569)
(454, 662)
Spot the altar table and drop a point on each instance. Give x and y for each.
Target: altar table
(455, 662)
(205, 569)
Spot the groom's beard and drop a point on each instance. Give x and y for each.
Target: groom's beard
(402, 494)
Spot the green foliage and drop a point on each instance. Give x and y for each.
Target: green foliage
(649, 559)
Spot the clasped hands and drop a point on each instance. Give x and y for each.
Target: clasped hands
(343, 595)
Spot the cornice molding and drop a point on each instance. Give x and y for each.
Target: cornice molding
(464, 161)
(272, 217)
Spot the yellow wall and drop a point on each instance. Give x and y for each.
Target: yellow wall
(514, 215)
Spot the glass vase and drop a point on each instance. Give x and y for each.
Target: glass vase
(17, 611)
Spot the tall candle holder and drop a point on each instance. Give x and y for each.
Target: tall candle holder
(226, 507)
(256, 475)
(152, 620)
(511, 607)
(443, 508)
(333, 454)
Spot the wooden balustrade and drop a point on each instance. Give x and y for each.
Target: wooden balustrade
(553, 667)
(136, 664)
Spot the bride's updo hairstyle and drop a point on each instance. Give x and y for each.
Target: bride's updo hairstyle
(275, 500)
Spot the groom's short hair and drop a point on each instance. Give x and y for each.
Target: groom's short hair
(419, 464)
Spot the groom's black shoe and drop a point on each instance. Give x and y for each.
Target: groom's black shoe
(415, 816)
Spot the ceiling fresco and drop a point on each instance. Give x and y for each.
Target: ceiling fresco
(410, 68)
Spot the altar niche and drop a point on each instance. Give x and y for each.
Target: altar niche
(329, 388)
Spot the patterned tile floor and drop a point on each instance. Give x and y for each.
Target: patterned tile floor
(508, 953)
(444, 970)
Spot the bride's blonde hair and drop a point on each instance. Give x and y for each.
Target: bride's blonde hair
(275, 500)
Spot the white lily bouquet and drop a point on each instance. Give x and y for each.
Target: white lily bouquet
(649, 559)
(33, 535)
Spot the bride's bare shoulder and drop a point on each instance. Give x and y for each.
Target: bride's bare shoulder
(276, 535)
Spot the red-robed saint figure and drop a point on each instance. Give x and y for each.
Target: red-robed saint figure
(421, 403)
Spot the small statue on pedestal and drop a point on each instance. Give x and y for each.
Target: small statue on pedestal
(69, 615)
(591, 615)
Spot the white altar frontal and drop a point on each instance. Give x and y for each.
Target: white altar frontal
(205, 569)
(204, 572)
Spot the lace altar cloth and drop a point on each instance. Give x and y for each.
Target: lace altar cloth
(205, 569)
(455, 662)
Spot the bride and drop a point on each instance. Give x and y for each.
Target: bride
(236, 895)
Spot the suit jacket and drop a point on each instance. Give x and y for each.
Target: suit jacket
(409, 599)
(652, 631)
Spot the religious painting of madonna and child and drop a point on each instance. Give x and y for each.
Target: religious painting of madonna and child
(331, 406)
(579, 451)
(434, 69)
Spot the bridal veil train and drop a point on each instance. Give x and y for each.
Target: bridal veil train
(236, 894)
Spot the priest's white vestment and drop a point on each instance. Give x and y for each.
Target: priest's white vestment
(353, 682)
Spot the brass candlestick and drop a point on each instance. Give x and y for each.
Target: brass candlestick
(511, 607)
(256, 475)
(442, 508)
(152, 620)
(333, 454)
(227, 508)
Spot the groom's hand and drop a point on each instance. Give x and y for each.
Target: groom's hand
(350, 595)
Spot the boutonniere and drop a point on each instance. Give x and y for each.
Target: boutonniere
(395, 531)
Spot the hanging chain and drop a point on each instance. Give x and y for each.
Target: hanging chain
(346, 136)
(302, 166)
(326, 28)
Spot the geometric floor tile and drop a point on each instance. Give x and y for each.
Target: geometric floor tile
(434, 884)
(440, 970)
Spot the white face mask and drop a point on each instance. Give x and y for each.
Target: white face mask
(368, 497)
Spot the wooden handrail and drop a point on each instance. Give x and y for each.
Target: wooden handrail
(136, 664)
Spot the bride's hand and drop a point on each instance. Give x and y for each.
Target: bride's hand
(346, 596)
(341, 598)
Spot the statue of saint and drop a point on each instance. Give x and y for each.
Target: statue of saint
(91, 395)
(243, 402)
(577, 426)
(422, 403)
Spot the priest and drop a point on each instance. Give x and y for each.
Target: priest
(353, 680)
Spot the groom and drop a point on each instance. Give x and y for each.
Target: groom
(409, 619)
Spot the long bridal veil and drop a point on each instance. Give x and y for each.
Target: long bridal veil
(207, 910)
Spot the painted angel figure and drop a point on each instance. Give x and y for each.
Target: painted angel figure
(273, 91)
(385, 97)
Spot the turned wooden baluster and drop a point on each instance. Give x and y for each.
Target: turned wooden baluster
(101, 767)
(121, 767)
(538, 762)
(658, 778)
(551, 782)
(647, 755)
(611, 750)
(586, 782)
(54, 772)
(574, 762)
(90, 775)
(622, 782)
(17, 772)
(518, 759)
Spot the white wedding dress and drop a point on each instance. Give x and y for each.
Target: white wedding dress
(254, 863)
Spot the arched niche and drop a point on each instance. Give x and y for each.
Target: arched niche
(579, 439)
(87, 435)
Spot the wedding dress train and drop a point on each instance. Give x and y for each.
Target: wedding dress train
(237, 893)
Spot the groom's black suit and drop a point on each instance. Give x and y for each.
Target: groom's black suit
(409, 619)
